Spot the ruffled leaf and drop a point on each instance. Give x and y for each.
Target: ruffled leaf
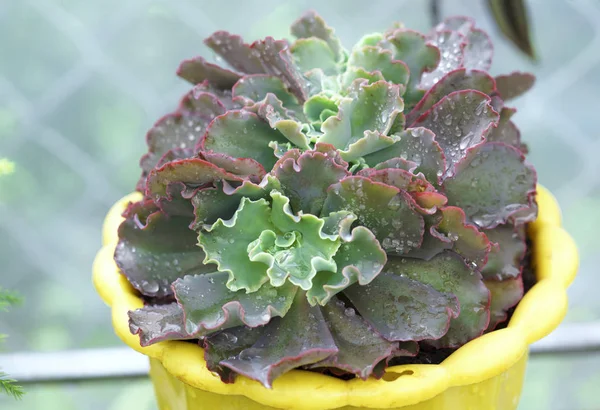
(451, 45)
(242, 134)
(243, 167)
(479, 51)
(491, 183)
(255, 88)
(417, 145)
(301, 337)
(384, 210)
(360, 349)
(208, 303)
(507, 253)
(158, 323)
(403, 309)
(154, 250)
(313, 25)
(447, 272)
(198, 70)
(297, 249)
(360, 258)
(506, 131)
(471, 244)
(193, 171)
(305, 180)
(419, 56)
(235, 235)
(311, 53)
(514, 84)
(456, 80)
(279, 118)
(374, 60)
(459, 121)
(505, 294)
(225, 344)
(369, 107)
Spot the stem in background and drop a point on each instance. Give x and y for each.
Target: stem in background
(434, 12)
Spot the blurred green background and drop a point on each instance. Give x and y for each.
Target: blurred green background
(82, 81)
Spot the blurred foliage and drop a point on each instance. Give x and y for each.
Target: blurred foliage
(82, 81)
(7, 299)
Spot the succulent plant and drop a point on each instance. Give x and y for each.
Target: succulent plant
(322, 209)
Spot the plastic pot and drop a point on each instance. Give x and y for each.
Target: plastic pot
(486, 373)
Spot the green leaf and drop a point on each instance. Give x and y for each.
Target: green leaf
(506, 131)
(255, 88)
(274, 113)
(242, 134)
(419, 56)
(360, 258)
(305, 180)
(383, 209)
(447, 272)
(158, 323)
(375, 59)
(311, 53)
(10, 386)
(234, 236)
(368, 107)
(209, 304)
(417, 145)
(318, 108)
(313, 25)
(297, 249)
(360, 348)
(403, 309)
(459, 121)
(301, 337)
(155, 249)
(451, 45)
(491, 183)
(197, 70)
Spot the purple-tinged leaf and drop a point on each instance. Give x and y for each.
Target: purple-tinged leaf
(433, 241)
(507, 253)
(301, 337)
(417, 145)
(399, 178)
(491, 183)
(420, 57)
(374, 60)
(506, 131)
(180, 130)
(459, 121)
(266, 56)
(403, 309)
(209, 305)
(451, 45)
(329, 151)
(398, 163)
(360, 348)
(310, 53)
(158, 323)
(255, 88)
(225, 344)
(471, 244)
(462, 24)
(526, 215)
(360, 258)
(198, 70)
(313, 25)
(242, 134)
(154, 249)
(504, 295)
(447, 272)
(194, 172)
(368, 107)
(479, 51)
(514, 84)
(305, 180)
(246, 168)
(456, 80)
(224, 96)
(384, 210)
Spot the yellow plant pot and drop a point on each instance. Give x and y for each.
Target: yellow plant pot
(486, 373)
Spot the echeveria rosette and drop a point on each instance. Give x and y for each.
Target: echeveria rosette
(317, 208)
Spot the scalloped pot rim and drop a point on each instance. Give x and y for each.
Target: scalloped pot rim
(538, 313)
